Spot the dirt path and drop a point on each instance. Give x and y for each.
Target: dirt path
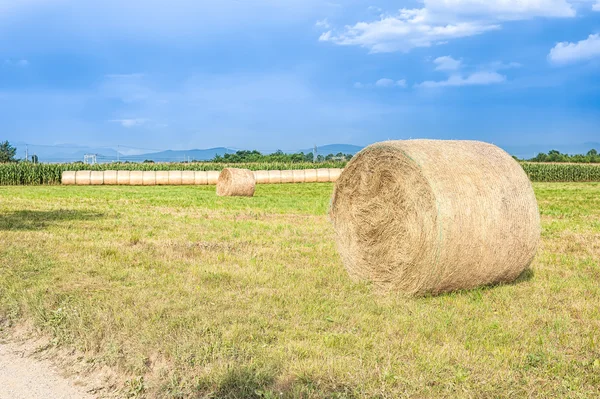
(24, 377)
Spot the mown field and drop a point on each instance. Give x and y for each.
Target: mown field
(186, 294)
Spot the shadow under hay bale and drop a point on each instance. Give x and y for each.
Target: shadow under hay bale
(236, 182)
(433, 216)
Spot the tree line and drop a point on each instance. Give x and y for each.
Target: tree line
(277, 156)
(555, 156)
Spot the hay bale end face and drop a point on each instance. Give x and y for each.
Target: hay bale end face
(236, 182)
(432, 216)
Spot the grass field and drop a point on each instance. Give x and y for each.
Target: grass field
(187, 294)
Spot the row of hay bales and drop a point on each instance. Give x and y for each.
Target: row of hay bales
(198, 178)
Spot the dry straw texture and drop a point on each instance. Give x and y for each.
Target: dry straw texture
(334, 174)
(200, 178)
(68, 178)
(236, 182)
(322, 175)
(162, 178)
(274, 176)
(149, 178)
(175, 177)
(136, 178)
(110, 177)
(287, 176)
(212, 177)
(310, 176)
(187, 177)
(123, 177)
(83, 177)
(97, 178)
(429, 216)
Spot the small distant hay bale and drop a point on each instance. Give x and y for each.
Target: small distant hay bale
(149, 178)
(136, 178)
(213, 176)
(298, 176)
(187, 177)
(431, 216)
(200, 178)
(310, 175)
(68, 178)
(162, 178)
(123, 177)
(97, 178)
(261, 176)
(174, 177)
(236, 182)
(323, 175)
(83, 177)
(110, 177)
(274, 176)
(287, 176)
(334, 174)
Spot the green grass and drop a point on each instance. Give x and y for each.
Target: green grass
(188, 294)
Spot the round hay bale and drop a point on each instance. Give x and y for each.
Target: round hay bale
(287, 176)
(187, 177)
(149, 178)
(83, 177)
(174, 177)
(97, 178)
(162, 177)
(212, 177)
(236, 182)
(323, 175)
(261, 176)
(298, 176)
(310, 176)
(123, 177)
(136, 178)
(274, 176)
(200, 178)
(334, 174)
(68, 178)
(110, 177)
(432, 216)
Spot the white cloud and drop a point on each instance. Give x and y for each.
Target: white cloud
(596, 7)
(440, 21)
(474, 79)
(382, 83)
(23, 63)
(447, 63)
(130, 122)
(323, 24)
(566, 52)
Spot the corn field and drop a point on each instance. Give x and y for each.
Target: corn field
(26, 173)
(40, 174)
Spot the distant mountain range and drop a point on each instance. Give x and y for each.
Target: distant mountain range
(72, 153)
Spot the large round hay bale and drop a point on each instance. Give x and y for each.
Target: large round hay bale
(83, 177)
(110, 177)
(136, 178)
(68, 178)
(261, 176)
(310, 175)
(274, 176)
(149, 178)
(97, 178)
(174, 177)
(287, 176)
(123, 177)
(432, 216)
(236, 182)
(212, 177)
(334, 174)
(187, 177)
(162, 177)
(323, 175)
(200, 178)
(298, 176)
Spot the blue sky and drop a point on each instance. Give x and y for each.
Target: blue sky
(273, 74)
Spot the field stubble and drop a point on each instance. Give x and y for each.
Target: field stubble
(184, 293)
